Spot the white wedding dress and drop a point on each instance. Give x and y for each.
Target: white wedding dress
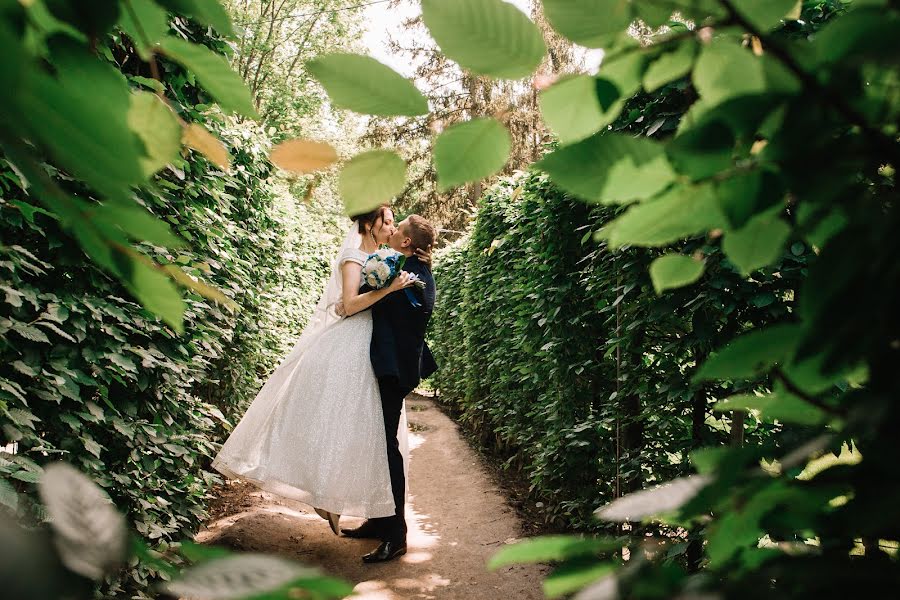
(315, 432)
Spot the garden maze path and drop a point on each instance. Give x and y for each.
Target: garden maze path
(457, 517)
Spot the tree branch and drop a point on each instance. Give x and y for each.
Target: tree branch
(794, 389)
(884, 143)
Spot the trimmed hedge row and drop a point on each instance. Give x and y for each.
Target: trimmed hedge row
(90, 377)
(557, 353)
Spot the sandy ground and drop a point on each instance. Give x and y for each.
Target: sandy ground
(456, 514)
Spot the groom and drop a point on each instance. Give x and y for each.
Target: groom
(400, 359)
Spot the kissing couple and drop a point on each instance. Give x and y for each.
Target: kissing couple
(328, 428)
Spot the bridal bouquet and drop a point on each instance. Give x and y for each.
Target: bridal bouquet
(381, 268)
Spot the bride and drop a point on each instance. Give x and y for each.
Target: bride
(315, 432)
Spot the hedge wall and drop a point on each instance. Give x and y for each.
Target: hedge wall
(90, 377)
(559, 355)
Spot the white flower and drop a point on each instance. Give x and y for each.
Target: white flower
(383, 272)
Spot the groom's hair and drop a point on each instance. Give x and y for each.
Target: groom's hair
(421, 233)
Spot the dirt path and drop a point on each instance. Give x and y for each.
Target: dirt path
(457, 520)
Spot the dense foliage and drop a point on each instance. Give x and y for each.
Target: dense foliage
(788, 142)
(275, 38)
(789, 137)
(790, 515)
(572, 366)
(91, 377)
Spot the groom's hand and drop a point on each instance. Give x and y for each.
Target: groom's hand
(424, 255)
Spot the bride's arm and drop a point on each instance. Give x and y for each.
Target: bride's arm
(355, 302)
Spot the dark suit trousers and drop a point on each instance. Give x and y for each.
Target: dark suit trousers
(393, 529)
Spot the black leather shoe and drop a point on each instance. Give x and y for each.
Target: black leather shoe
(366, 531)
(385, 552)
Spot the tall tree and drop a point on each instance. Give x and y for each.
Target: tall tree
(456, 96)
(276, 37)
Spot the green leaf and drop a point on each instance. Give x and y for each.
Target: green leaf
(198, 553)
(22, 418)
(29, 210)
(670, 66)
(12, 67)
(758, 244)
(92, 446)
(145, 23)
(609, 168)
(580, 105)
(726, 70)
(765, 14)
(683, 212)
(123, 427)
(57, 330)
(589, 23)
(152, 84)
(704, 150)
(778, 406)
(156, 292)
(552, 548)
(214, 74)
(93, 18)
(30, 332)
(208, 12)
(573, 577)
(24, 368)
(27, 476)
(8, 496)
(573, 109)
(363, 84)
(240, 576)
(655, 14)
(709, 460)
(470, 151)
(370, 179)
(811, 376)
(72, 421)
(121, 361)
(156, 126)
(864, 34)
(744, 195)
(138, 223)
(674, 271)
(84, 127)
(752, 354)
(487, 37)
(655, 501)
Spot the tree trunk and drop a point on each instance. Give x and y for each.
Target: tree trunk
(632, 441)
(737, 427)
(698, 425)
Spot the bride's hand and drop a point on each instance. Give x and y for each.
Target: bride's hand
(401, 281)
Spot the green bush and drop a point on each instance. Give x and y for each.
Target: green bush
(551, 347)
(93, 378)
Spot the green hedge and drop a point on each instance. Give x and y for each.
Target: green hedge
(531, 358)
(89, 376)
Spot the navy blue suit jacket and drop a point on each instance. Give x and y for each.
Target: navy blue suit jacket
(398, 331)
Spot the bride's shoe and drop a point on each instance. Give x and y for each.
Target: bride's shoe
(333, 520)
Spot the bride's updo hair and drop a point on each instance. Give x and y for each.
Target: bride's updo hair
(369, 219)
